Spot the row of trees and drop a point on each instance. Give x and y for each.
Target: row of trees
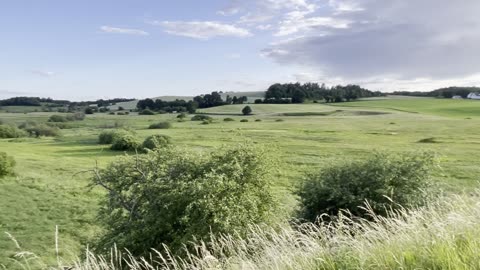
(202, 101)
(447, 92)
(299, 93)
(37, 101)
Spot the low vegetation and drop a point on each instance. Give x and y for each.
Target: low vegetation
(156, 141)
(160, 125)
(183, 196)
(8, 131)
(200, 117)
(125, 141)
(385, 181)
(7, 164)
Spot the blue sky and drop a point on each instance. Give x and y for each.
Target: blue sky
(124, 48)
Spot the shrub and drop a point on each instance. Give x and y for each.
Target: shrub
(247, 110)
(181, 116)
(89, 110)
(244, 120)
(108, 136)
(146, 112)
(125, 142)
(111, 113)
(43, 130)
(200, 117)
(258, 120)
(258, 101)
(279, 120)
(7, 131)
(78, 116)
(428, 140)
(6, 164)
(161, 125)
(228, 119)
(120, 113)
(156, 141)
(206, 122)
(172, 196)
(384, 180)
(57, 118)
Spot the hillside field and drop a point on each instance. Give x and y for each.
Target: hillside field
(52, 174)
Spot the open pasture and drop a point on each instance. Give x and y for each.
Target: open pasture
(52, 174)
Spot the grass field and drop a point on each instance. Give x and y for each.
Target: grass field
(51, 185)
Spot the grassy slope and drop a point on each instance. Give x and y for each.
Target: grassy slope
(48, 190)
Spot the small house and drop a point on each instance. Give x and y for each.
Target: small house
(473, 96)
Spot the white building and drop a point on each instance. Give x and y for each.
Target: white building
(457, 97)
(473, 96)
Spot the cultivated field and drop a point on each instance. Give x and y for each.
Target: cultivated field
(51, 185)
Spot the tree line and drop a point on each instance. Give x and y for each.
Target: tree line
(37, 101)
(299, 93)
(447, 92)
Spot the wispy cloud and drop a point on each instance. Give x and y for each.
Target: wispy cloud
(202, 29)
(125, 31)
(42, 73)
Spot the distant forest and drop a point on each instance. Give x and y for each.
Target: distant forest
(448, 92)
(36, 101)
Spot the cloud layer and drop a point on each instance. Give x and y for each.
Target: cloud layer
(402, 39)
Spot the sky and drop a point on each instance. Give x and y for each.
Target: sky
(90, 49)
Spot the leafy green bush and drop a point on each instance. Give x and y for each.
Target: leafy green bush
(89, 110)
(384, 180)
(6, 164)
(172, 196)
(108, 136)
(206, 122)
(244, 120)
(156, 141)
(247, 110)
(161, 125)
(182, 115)
(279, 120)
(228, 119)
(258, 120)
(7, 131)
(200, 117)
(57, 118)
(146, 112)
(125, 142)
(41, 130)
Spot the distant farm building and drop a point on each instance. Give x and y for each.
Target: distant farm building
(474, 96)
(457, 97)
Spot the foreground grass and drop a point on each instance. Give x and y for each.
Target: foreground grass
(442, 235)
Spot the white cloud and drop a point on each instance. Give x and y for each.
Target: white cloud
(398, 39)
(127, 31)
(234, 56)
(202, 29)
(42, 73)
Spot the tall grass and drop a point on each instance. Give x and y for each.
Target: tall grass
(441, 235)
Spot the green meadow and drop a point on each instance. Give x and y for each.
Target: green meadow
(51, 185)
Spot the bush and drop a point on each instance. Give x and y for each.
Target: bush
(6, 164)
(120, 113)
(228, 119)
(247, 110)
(206, 122)
(125, 142)
(181, 116)
(108, 136)
(384, 180)
(156, 141)
(161, 125)
(258, 101)
(172, 196)
(244, 120)
(258, 120)
(279, 120)
(7, 131)
(89, 110)
(146, 112)
(57, 119)
(41, 130)
(200, 117)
